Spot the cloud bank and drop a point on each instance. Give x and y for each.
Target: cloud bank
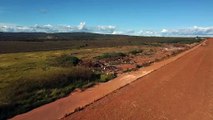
(107, 29)
(82, 27)
(193, 31)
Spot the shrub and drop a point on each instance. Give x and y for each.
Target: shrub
(107, 77)
(67, 60)
(136, 51)
(111, 55)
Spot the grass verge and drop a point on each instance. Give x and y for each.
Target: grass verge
(27, 93)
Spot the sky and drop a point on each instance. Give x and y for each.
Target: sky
(133, 17)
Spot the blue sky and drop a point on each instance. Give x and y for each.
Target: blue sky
(124, 15)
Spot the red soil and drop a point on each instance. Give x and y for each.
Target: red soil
(182, 90)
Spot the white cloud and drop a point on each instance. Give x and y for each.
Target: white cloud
(118, 33)
(164, 30)
(148, 33)
(193, 31)
(82, 26)
(107, 29)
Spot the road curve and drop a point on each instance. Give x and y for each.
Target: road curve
(181, 90)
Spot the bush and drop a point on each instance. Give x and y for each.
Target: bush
(111, 55)
(107, 77)
(67, 60)
(136, 51)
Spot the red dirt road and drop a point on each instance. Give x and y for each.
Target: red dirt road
(181, 90)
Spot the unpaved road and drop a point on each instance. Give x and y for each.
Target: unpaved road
(182, 90)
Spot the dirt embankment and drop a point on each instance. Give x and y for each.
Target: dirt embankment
(182, 90)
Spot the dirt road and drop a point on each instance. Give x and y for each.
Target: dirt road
(182, 90)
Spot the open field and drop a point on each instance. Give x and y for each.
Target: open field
(29, 42)
(30, 79)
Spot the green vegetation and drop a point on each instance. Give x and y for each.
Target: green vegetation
(111, 55)
(29, 80)
(67, 60)
(29, 42)
(107, 77)
(136, 51)
(29, 92)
